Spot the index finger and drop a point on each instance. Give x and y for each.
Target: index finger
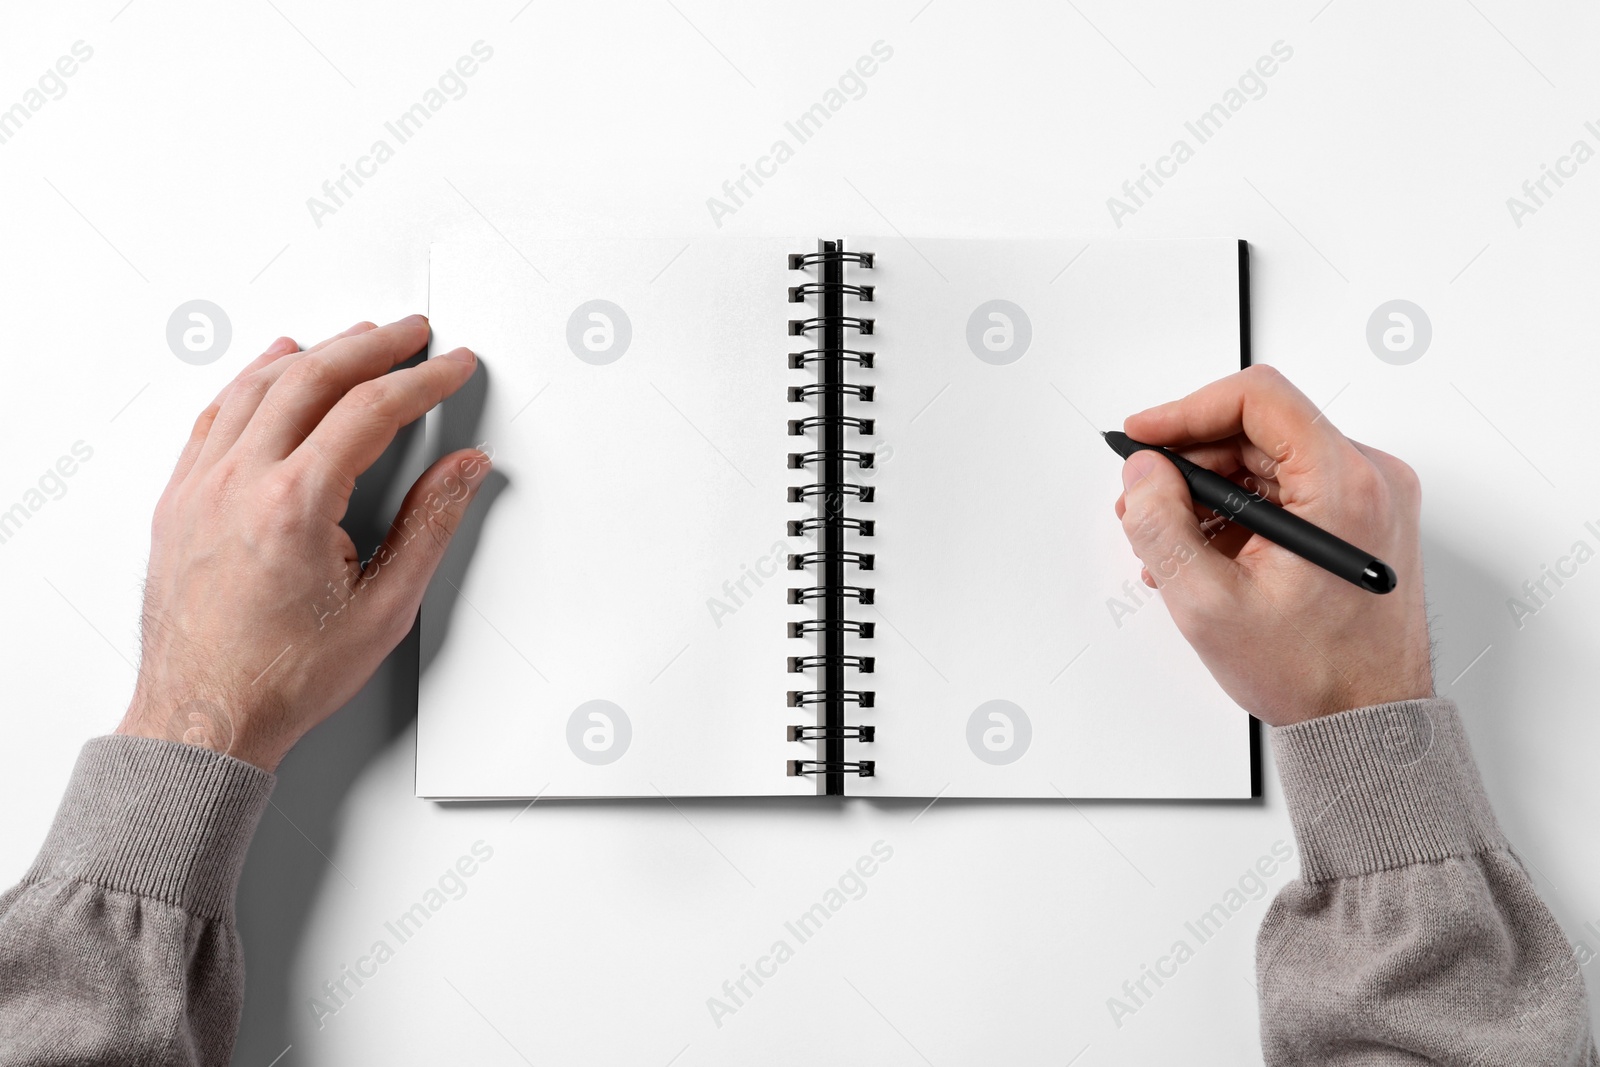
(308, 389)
(202, 425)
(1258, 402)
(362, 425)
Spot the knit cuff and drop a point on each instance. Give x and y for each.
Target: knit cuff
(158, 819)
(1382, 787)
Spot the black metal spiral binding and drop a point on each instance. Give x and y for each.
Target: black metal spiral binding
(833, 252)
(865, 768)
(798, 293)
(864, 630)
(803, 459)
(799, 327)
(863, 493)
(862, 593)
(799, 527)
(797, 427)
(797, 393)
(798, 360)
(830, 392)
(823, 733)
(799, 698)
(797, 664)
(801, 560)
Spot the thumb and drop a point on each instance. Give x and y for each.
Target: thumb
(1160, 523)
(429, 516)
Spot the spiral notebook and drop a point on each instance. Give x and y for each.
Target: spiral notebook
(785, 517)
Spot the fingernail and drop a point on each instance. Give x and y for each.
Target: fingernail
(460, 355)
(1138, 468)
(283, 346)
(413, 320)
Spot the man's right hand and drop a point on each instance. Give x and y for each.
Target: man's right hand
(1286, 639)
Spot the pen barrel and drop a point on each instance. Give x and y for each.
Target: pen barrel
(1280, 526)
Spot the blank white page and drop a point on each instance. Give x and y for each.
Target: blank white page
(636, 492)
(999, 559)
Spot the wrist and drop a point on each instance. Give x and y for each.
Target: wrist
(1412, 680)
(1409, 677)
(216, 725)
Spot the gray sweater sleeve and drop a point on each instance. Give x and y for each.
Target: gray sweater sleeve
(119, 945)
(1414, 934)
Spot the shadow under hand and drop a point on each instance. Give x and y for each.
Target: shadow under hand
(1503, 678)
(290, 857)
(1467, 620)
(457, 421)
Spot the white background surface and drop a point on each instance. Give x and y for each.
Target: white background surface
(1377, 165)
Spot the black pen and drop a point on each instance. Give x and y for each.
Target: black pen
(1261, 516)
